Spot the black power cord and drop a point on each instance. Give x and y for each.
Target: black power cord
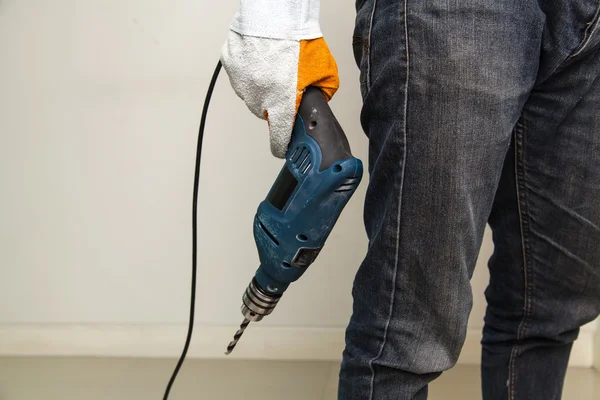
(211, 87)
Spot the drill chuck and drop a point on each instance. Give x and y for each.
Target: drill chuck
(257, 303)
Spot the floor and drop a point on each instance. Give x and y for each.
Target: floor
(137, 379)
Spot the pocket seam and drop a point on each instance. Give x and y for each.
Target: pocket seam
(588, 34)
(367, 47)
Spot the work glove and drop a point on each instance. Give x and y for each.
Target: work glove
(273, 52)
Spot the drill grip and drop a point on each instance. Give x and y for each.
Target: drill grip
(324, 128)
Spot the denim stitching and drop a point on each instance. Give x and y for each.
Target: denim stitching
(513, 353)
(368, 47)
(523, 210)
(393, 294)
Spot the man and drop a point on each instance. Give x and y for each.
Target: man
(477, 111)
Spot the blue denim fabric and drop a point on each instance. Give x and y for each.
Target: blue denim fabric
(476, 111)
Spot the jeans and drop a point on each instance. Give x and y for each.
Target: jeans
(477, 111)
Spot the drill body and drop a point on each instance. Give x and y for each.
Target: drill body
(292, 224)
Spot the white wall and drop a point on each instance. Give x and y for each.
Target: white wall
(99, 107)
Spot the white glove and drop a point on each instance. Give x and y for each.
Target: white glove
(274, 51)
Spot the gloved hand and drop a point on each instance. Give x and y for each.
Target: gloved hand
(274, 51)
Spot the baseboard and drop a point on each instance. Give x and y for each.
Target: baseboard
(597, 350)
(259, 342)
(160, 341)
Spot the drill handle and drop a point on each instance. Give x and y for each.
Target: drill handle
(322, 126)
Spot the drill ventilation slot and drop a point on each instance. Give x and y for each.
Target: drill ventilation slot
(269, 234)
(301, 159)
(348, 184)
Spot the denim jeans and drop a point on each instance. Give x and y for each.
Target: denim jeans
(477, 111)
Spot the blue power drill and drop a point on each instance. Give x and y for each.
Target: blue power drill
(292, 223)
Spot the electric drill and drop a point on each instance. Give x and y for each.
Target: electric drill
(291, 225)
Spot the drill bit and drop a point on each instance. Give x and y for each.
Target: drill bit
(237, 336)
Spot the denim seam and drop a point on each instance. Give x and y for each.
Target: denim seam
(523, 212)
(513, 352)
(398, 218)
(368, 47)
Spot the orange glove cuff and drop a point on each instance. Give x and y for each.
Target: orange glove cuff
(316, 67)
